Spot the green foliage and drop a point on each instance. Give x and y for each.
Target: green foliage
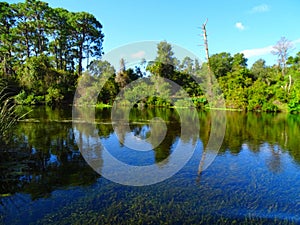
(294, 62)
(200, 102)
(34, 74)
(8, 115)
(99, 72)
(126, 76)
(87, 36)
(98, 84)
(28, 99)
(165, 54)
(41, 47)
(259, 69)
(20, 98)
(102, 105)
(53, 96)
(260, 88)
(294, 102)
(157, 101)
(221, 64)
(269, 107)
(234, 86)
(260, 97)
(184, 103)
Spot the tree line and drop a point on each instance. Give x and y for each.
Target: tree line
(42, 51)
(258, 88)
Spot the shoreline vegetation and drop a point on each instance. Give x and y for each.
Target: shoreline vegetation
(43, 50)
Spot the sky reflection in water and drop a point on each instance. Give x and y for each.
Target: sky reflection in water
(255, 177)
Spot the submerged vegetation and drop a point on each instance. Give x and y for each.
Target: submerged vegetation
(254, 181)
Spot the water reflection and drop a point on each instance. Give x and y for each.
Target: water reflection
(274, 161)
(259, 158)
(255, 129)
(43, 157)
(131, 162)
(48, 143)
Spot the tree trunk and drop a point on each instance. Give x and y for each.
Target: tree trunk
(290, 83)
(206, 43)
(80, 60)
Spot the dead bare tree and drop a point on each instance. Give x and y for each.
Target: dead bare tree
(206, 42)
(209, 90)
(281, 50)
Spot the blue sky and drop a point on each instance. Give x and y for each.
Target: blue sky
(248, 26)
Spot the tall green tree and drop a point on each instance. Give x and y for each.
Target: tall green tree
(60, 46)
(37, 14)
(7, 38)
(165, 54)
(221, 64)
(259, 69)
(187, 65)
(125, 76)
(87, 37)
(101, 71)
(294, 62)
(31, 27)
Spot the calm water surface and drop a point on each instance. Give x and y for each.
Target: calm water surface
(255, 178)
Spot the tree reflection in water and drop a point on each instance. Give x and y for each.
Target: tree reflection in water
(44, 155)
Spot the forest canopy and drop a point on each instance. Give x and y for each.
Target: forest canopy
(45, 52)
(42, 49)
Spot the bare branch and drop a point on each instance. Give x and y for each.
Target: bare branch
(281, 50)
(205, 42)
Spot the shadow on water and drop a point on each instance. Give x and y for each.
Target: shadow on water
(43, 157)
(254, 179)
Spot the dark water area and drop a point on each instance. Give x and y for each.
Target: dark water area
(254, 179)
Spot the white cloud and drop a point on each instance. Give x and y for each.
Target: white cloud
(296, 41)
(257, 51)
(263, 51)
(260, 8)
(138, 55)
(239, 26)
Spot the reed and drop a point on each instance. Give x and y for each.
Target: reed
(8, 115)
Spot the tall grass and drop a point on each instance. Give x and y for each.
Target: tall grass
(8, 115)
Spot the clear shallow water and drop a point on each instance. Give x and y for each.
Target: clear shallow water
(254, 179)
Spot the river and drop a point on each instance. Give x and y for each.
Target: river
(254, 178)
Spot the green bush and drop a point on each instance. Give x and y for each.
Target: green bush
(294, 100)
(269, 107)
(53, 96)
(20, 98)
(254, 105)
(30, 100)
(200, 102)
(294, 106)
(24, 99)
(151, 101)
(260, 97)
(182, 103)
(162, 102)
